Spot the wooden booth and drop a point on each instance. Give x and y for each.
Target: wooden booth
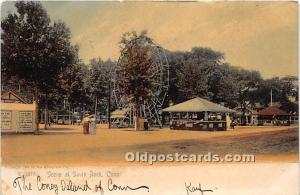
(16, 114)
(199, 114)
(120, 118)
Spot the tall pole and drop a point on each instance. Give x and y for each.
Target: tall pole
(46, 112)
(271, 98)
(37, 110)
(108, 107)
(130, 114)
(96, 102)
(70, 121)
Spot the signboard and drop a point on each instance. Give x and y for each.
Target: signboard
(5, 120)
(26, 120)
(17, 117)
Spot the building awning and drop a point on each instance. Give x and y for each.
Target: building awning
(198, 105)
(119, 113)
(272, 110)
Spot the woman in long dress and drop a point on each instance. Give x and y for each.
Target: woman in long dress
(86, 121)
(92, 126)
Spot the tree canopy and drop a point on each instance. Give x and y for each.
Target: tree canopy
(35, 50)
(204, 72)
(134, 73)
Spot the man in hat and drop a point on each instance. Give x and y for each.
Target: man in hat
(86, 121)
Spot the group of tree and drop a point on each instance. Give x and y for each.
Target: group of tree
(100, 84)
(35, 50)
(203, 72)
(38, 53)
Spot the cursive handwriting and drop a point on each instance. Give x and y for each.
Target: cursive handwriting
(46, 186)
(20, 183)
(98, 188)
(114, 187)
(74, 188)
(189, 188)
(23, 185)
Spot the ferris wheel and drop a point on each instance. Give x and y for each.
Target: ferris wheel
(160, 75)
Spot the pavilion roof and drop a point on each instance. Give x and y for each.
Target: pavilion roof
(197, 105)
(272, 110)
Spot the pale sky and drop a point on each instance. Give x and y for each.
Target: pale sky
(258, 36)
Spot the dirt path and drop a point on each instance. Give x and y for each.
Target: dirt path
(67, 145)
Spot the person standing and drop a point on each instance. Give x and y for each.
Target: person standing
(232, 124)
(92, 126)
(86, 121)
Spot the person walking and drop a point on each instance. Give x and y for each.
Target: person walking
(86, 121)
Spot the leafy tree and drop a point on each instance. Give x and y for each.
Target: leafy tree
(135, 80)
(284, 91)
(192, 81)
(74, 86)
(176, 60)
(195, 71)
(247, 83)
(33, 50)
(289, 100)
(221, 86)
(100, 81)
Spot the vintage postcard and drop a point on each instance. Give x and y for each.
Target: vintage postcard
(149, 98)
